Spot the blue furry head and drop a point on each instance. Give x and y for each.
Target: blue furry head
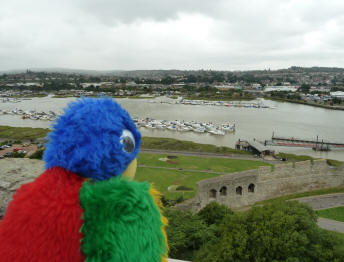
(95, 138)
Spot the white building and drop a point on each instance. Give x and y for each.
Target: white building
(338, 94)
(281, 88)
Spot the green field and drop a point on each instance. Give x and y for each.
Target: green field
(336, 213)
(180, 145)
(162, 179)
(297, 158)
(337, 235)
(223, 165)
(182, 175)
(293, 157)
(22, 133)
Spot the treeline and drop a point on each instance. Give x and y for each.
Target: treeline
(281, 231)
(317, 69)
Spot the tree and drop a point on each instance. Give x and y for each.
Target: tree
(282, 231)
(305, 88)
(214, 213)
(186, 232)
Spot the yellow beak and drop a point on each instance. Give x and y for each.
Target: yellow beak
(129, 173)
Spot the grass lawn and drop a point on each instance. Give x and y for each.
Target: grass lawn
(297, 158)
(293, 157)
(162, 179)
(180, 145)
(222, 165)
(336, 213)
(337, 235)
(22, 133)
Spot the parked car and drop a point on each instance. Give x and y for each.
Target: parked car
(8, 154)
(17, 149)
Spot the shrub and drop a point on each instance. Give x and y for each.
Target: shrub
(186, 232)
(214, 213)
(18, 155)
(183, 188)
(38, 154)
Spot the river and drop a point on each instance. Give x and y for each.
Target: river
(290, 120)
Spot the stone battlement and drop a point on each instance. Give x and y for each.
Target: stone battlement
(247, 187)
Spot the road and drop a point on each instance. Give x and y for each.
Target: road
(324, 202)
(330, 224)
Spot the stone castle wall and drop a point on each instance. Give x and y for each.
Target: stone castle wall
(248, 187)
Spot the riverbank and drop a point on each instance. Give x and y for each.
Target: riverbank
(28, 133)
(304, 103)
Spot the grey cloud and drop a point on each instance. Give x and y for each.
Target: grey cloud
(190, 34)
(114, 11)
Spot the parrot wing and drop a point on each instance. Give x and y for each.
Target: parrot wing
(122, 222)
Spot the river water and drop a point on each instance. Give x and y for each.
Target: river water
(290, 120)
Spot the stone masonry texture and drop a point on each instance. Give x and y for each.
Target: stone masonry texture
(241, 189)
(13, 173)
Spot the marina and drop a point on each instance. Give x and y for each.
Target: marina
(32, 114)
(149, 123)
(186, 126)
(240, 104)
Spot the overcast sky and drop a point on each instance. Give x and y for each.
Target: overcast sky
(171, 34)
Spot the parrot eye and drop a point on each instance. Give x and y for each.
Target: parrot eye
(128, 141)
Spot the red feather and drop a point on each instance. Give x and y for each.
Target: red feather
(43, 220)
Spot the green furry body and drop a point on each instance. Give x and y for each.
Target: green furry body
(122, 223)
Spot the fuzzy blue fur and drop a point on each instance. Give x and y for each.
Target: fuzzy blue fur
(86, 139)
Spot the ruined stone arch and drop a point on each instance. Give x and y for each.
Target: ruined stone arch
(238, 190)
(223, 191)
(212, 193)
(251, 188)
